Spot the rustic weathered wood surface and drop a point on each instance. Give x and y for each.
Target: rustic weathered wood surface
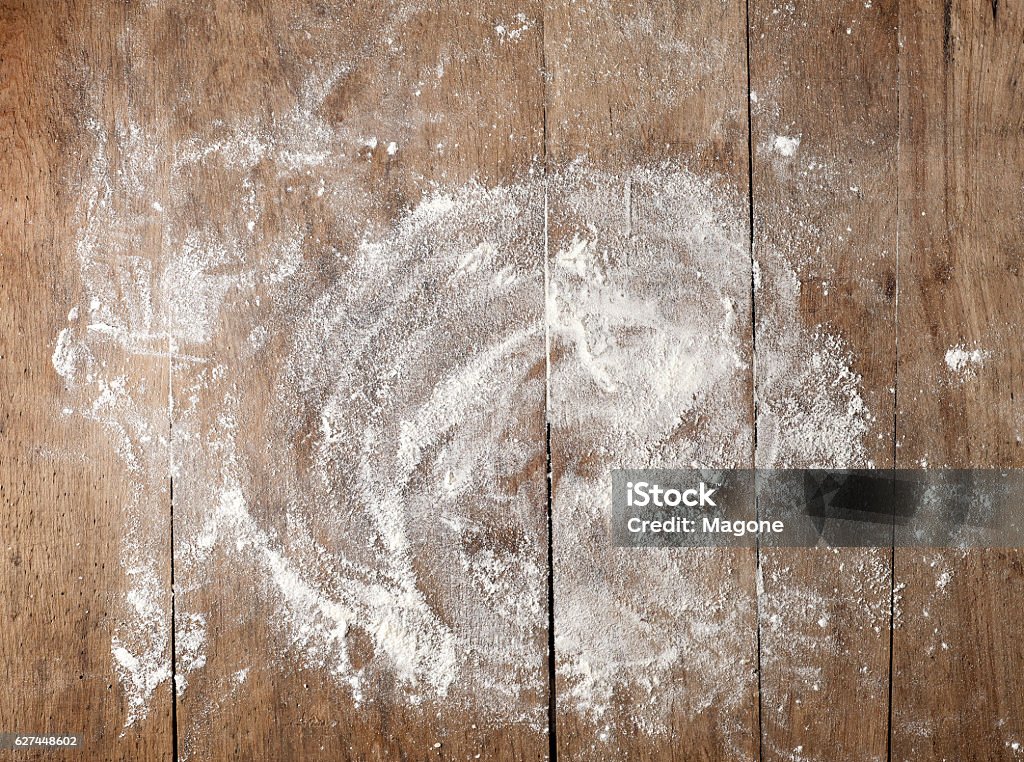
(824, 131)
(457, 102)
(635, 86)
(158, 158)
(958, 656)
(67, 499)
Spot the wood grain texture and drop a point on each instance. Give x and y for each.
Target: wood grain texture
(392, 106)
(824, 134)
(957, 652)
(67, 496)
(282, 283)
(646, 125)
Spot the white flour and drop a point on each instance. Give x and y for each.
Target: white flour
(106, 355)
(384, 499)
(399, 369)
(811, 413)
(649, 320)
(407, 459)
(785, 145)
(964, 362)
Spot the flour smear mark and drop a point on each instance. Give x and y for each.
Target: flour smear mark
(963, 362)
(415, 379)
(398, 369)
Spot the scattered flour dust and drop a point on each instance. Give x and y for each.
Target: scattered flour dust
(436, 324)
(648, 312)
(431, 506)
(401, 438)
(810, 413)
(513, 31)
(114, 324)
(786, 145)
(964, 362)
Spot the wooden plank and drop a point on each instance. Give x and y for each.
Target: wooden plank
(83, 455)
(824, 136)
(359, 492)
(958, 658)
(649, 317)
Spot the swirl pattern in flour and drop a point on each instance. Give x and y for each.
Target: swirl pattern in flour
(422, 372)
(360, 426)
